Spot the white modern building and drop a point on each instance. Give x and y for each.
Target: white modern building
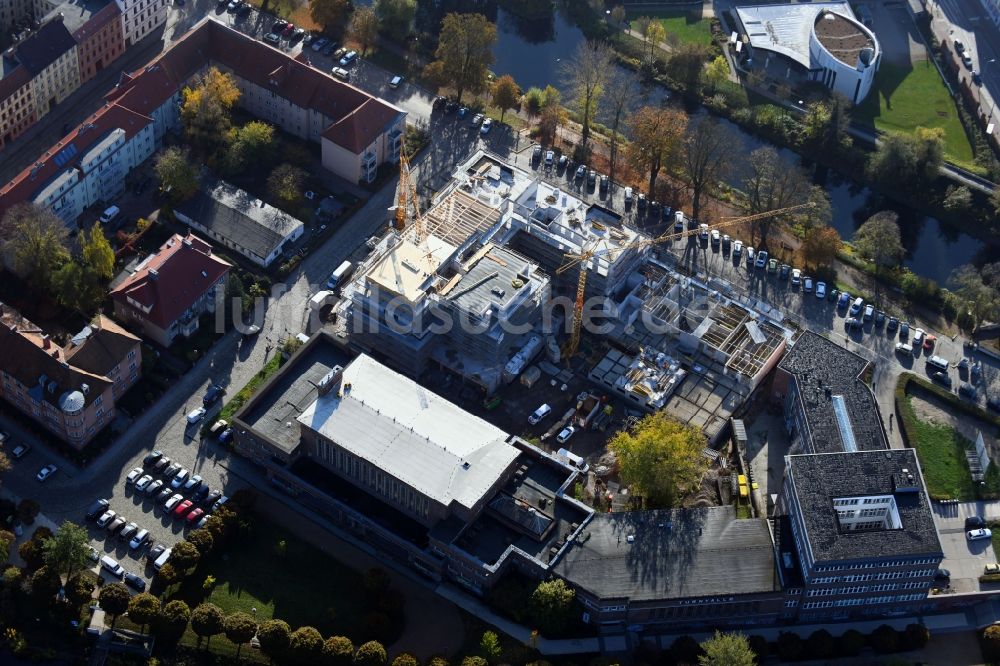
(824, 39)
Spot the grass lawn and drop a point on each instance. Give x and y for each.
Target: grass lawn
(683, 27)
(905, 99)
(301, 585)
(255, 382)
(290, 10)
(941, 450)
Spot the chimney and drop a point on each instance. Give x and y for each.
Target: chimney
(45, 342)
(153, 274)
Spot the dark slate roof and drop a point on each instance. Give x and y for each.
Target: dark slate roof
(820, 478)
(824, 369)
(45, 47)
(676, 554)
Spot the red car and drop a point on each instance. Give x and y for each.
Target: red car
(929, 341)
(183, 508)
(289, 29)
(193, 517)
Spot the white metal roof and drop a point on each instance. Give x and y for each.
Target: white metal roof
(785, 28)
(412, 434)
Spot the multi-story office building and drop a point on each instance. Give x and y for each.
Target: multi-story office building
(71, 390)
(828, 406)
(860, 532)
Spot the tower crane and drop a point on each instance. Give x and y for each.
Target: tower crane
(581, 259)
(406, 193)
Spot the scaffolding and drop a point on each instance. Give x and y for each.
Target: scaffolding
(459, 216)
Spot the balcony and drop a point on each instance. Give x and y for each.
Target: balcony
(188, 324)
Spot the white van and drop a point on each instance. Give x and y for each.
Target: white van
(628, 196)
(937, 362)
(111, 565)
(539, 414)
(111, 214)
(573, 459)
(162, 559)
(338, 275)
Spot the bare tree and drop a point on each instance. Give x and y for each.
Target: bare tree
(772, 183)
(621, 91)
(586, 73)
(705, 158)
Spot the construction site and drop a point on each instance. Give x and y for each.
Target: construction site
(468, 287)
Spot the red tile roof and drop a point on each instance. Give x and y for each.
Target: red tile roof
(23, 187)
(14, 81)
(358, 129)
(185, 269)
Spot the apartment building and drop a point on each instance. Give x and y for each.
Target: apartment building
(86, 166)
(52, 60)
(13, 12)
(166, 293)
(71, 391)
(141, 17)
(17, 105)
(862, 534)
(100, 41)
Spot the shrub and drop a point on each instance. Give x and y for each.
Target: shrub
(685, 649)
(851, 643)
(789, 646)
(884, 640)
(991, 643)
(819, 645)
(760, 647)
(915, 636)
(370, 654)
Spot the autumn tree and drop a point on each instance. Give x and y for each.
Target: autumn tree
(771, 183)
(908, 159)
(878, 240)
(821, 246)
(202, 540)
(585, 73)
(620, 92)
(143, 608)
(274, 636)
(177, 173)
(396, 16)
(35, 243)
(686, 65)
(328, 13)
(977, 292)
(705, 158)
(207, 620)
(80, 588)
(285, 183)
(364, 28)
(656, 139)
(551, 606)
(239, 628)
(66, 551)
(506, 94)
(184, 556)
(205, 110)
(173, 620)
(114, 599)
(661, 459)
(338, 651)
(371, 653)
(826, 123)
(405, 659)
(717, 71)
(551, 115)
(464, 53)
(98, 257)
(727, 650)
(250, 145)
(991, 643)
(490, 646)
(305, 646)
(653, 33)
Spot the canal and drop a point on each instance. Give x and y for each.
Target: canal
(533, 53)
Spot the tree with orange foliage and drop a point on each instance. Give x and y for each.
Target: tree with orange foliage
(656, 139)
(821, 246)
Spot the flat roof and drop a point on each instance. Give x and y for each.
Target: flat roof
(411, 433)
(407, 268)
(490, 279)
(672, 554)
(825, 371)
(278, 405)
(819, 479)
(785, 27)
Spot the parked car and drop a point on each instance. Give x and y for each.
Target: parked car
(918, 337)
(796, 277)
(319, 44)
(194, 516)
(212, 395)
(97, 508)
(212, 497)
(154, 487)
(115, 525)
(485, 128)
(807, 285)
(133, 475)
(201, 493)
(46, 472)
(164, 495)
(992, 568)
(604, 184)
(341, 73)
(772, 266)
(591, 179)
(869, 312)
(193, 482)
(218, 426)
(539, 414)
(128, 532)
(852, 322)
(975, 523)
(981, 533)
(348, 58)
(750, 256)
(135, 581)
(737, 248)
(106, 518)
(20, 451)
(162, 463)
(761, 261)
(565, 434)
(196, 415)
(181, 509)
(288, 31)
(478, 118)
(716, 238)
(821, 290)
(904, 349)
(968, 391)
(171, 471)
(929, 342)
(152, 457)
(856, 306)
(278, 26)
(143, 482)
(139, 539)
(331, 49)
(172, 503)
(904, 331)
(111, 565)
(879, 317)
(155, 552)
(179, 478)
(272, 38)
(942, 378)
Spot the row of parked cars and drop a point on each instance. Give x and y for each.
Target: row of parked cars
(175, 478)
(137, 538)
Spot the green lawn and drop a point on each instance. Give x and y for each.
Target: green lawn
(905, 99)
(941, 450)
(302, 585)
(684, 27)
